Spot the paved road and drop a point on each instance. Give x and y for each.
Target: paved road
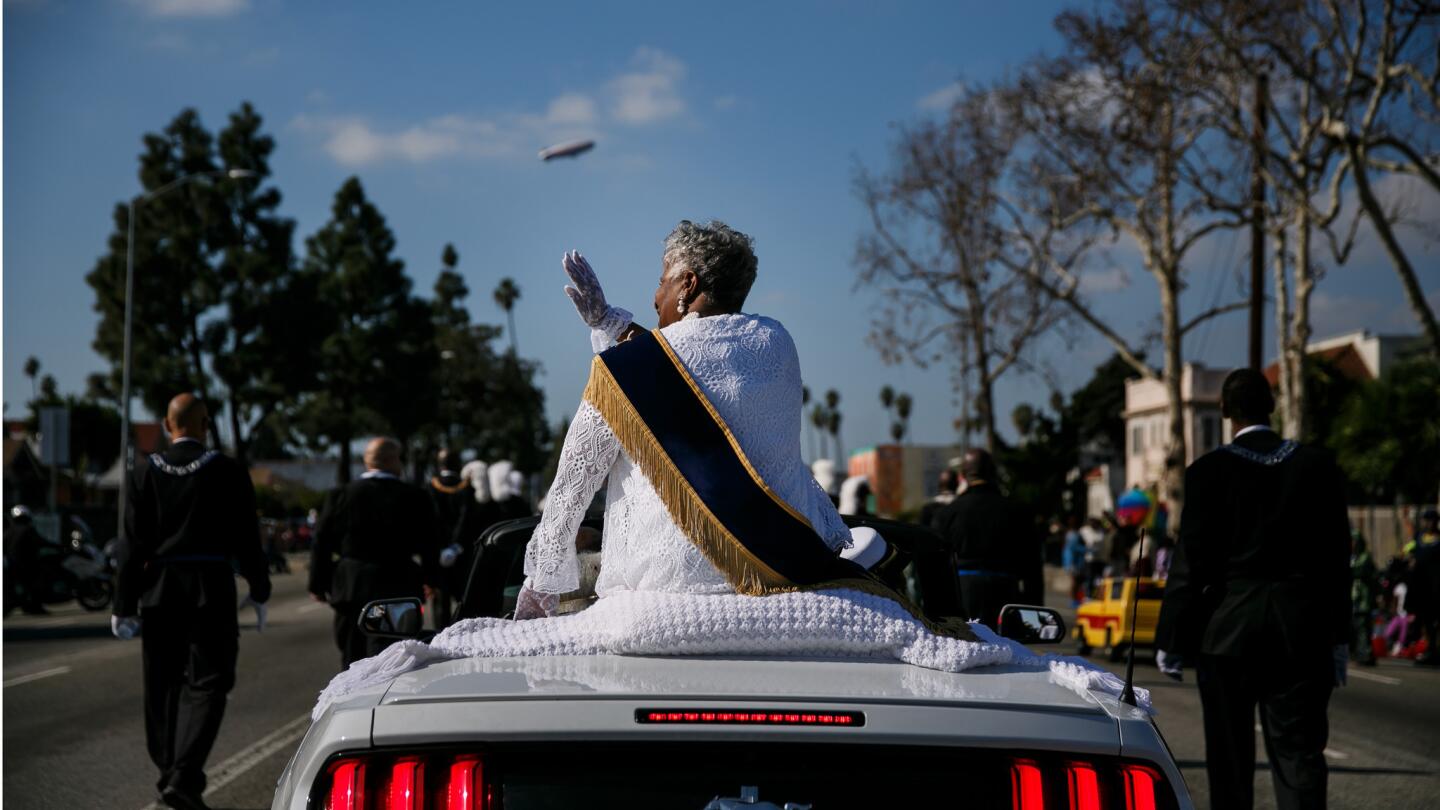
(74, 733)
(1384, 734)
(74, 736)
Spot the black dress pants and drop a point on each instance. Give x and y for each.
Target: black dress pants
(189, 658)
(982, 596)
(1293, 696)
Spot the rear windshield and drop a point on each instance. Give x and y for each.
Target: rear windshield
(690, 778)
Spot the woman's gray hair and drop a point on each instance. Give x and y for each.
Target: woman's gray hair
(722, 259)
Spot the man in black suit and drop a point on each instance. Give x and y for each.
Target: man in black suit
(192, 515)
(459, 521)
(1259, 600)
(994, 549)
(946, 485)
(377, 525)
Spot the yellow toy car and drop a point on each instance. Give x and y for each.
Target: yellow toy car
(1103, 621)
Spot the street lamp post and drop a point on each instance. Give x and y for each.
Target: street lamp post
(126, 450)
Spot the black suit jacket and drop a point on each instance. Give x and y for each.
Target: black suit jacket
(1263, 562)
(985, 530)
(377, 526)
(191, 516)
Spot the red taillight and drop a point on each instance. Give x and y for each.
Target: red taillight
(731, 716)
(466, 788)
(399, 782)
(407, 786)
(347, 786)
(1084, 787)
(1027, 788)
(1139, 787)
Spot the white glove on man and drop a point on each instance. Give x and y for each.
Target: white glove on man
(1341, 653)
(449, 555)
(1170, 665)
(532, 604)
(261, 611)
(125, 628)
(605, 322)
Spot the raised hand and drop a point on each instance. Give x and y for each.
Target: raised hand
(584, 289)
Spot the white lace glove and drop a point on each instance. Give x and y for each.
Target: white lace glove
(531, 604)
(262, 613)
(1170, 665)
(605, 322)
(449, 555)
(125, 628)
(1341, 653)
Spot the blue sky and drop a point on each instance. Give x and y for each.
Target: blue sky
(755, 113)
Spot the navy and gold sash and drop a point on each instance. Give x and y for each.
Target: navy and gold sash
(760, 543)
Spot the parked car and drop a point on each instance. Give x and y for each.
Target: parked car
(1103, 621)
(607, 731)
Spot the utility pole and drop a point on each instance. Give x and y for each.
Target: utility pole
(1257, 226)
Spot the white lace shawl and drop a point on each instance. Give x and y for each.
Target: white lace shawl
(749, 370)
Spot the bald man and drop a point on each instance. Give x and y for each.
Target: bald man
(378, 526)
(189, 525)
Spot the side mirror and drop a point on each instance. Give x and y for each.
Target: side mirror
(393, 618)
(1032, 624)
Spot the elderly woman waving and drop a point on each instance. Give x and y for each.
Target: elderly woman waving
(696, 427)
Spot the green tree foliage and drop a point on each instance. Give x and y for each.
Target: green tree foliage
(94, 426)
(487, 402)
(1387, 436)
(1038, 469)
(376, 359)
(506, 294)
(254, 285)
(212, 261)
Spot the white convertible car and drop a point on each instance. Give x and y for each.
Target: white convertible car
(608, 731)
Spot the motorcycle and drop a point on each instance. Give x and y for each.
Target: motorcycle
(76, 569)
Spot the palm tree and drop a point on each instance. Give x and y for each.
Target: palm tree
(820, 420)
(32, 370)
(506, 294)
(887, 396)
(809, 428)
(835, 438)
(832, 421)
(903, 405)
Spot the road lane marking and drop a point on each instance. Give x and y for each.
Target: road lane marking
(313, 606)
(35, 676)
(1366, 675)
(1333, 754)
(251, 755)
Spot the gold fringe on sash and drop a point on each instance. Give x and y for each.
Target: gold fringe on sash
(744, 571)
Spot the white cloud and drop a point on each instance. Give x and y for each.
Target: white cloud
(571, 109)
(355, 141)
(192, 8)
(650, 94)
(942, 99)
(726, 102)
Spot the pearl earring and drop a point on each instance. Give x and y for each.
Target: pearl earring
(680, 305)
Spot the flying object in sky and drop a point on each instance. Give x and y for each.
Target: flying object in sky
(569, 149)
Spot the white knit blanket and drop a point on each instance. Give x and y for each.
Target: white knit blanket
(842, 624)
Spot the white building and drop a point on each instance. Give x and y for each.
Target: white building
(1358, 355)
(1147, 422)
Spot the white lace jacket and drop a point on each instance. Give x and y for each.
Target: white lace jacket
(748, 368)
